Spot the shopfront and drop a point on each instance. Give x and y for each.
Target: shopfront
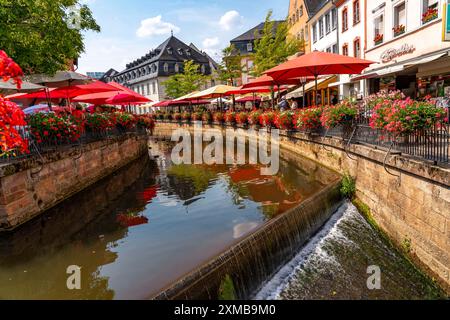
(415, 61)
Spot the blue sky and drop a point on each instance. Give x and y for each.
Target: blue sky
(130, 28)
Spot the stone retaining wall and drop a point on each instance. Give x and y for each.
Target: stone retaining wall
(410, 200)
(32, 186)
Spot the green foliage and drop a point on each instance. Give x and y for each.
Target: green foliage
(348, 187)
(231, 68)
(274, 46)
(227, 291)
(35, 33)
(183, 83)
(406, 245)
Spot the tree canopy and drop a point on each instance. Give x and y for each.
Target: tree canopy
(186, 82)
(44, 36)
(273, 47)
(231, 68)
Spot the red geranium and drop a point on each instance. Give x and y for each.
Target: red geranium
(10, 114)
(267, 119)
(283, 120)
(242, 118)
(230, 117)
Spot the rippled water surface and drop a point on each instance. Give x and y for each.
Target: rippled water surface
(136, 232)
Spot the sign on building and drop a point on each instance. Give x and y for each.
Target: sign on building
(446, 22)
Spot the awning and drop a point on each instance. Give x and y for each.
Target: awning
(426, 60)
(321, 84)
(379, 73)
(399, 68)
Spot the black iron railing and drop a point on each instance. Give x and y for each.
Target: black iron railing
(39, 149)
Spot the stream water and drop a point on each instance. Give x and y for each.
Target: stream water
(152, 222)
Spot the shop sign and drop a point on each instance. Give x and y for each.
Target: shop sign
(446, 22)
(391, 54)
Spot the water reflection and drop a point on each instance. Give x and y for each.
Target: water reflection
(148, 225)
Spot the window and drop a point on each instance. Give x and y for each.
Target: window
(345, 49)
(378, 29)
(166, 67)
(154, 87)
(344, 20)
(328, 22)
(148, 88)
(302, 35)
(321, 34)
(203, 69)
(301, 11)
(400, 17)
(335, 48)
(188, 52)
(357, 48)
(306, 33)
(177, 68)
(250, 47)
(430, 10)
(314, 30)
(356, 12)
(334, 19)
(328, 50)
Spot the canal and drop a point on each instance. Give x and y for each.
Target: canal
(152, 222)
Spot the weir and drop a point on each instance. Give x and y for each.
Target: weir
(252, 261)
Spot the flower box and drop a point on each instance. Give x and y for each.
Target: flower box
(430, 15)
(399, 30)
(378, 39)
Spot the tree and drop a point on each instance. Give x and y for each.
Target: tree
(183, 83)
(231, 67)
(41, 36)
(273, 47)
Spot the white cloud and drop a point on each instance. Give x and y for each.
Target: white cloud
(211, 42)
(155, 26)
(230, 20)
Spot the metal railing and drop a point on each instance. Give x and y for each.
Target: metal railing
(37, 150)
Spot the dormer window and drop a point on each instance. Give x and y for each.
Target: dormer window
(180, 52)
(169, 50)
(153, 67)
(188, 52)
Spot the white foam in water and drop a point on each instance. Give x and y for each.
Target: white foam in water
(272, 289)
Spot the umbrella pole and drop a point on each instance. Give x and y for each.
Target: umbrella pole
(315, 93)
(304, 96)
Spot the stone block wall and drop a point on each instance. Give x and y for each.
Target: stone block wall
(32, 186)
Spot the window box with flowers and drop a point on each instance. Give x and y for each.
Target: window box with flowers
(399, 30)
(430, 15)
(378, 39)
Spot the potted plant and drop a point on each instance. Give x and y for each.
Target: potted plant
(341, 114)
(267, 119)
(124, 121)
(254, 119)
(242, 119)
(219, 117)
(309, 119)
(186, 116)
(284, 120)
(230, 118)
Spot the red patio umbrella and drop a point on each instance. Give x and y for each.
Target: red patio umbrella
(126, 98)
(318, 63)
(68, 92)
(268, 81)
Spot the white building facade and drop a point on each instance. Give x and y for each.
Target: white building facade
(324, 29)
(352, 41)
(405, 38)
